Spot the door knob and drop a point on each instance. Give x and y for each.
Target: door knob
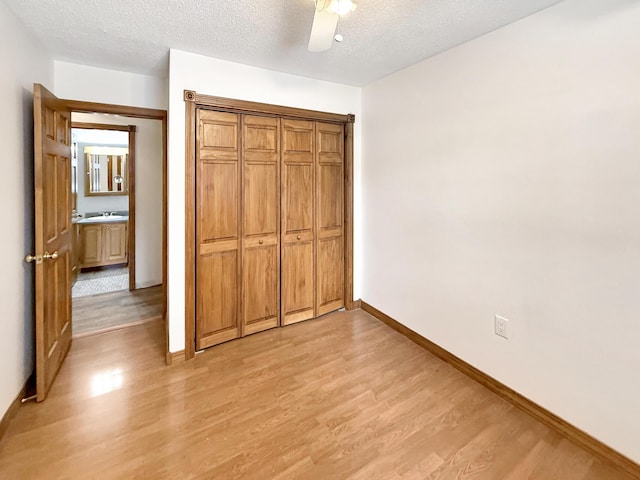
(261, 242)
(298, 237)
(50, 256)
(33, 258)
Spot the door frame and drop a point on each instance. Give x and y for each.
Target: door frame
(152, 114)
(193, 101)
(131, 188)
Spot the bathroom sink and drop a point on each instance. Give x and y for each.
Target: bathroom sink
(105, 219)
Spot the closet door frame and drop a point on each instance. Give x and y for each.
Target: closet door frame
(195, 101)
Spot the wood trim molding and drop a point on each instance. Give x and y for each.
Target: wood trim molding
(190, 229)
(12, 410)
(541, 414)
(174, 358)
(165, 277)
(131, 225)
(356, 304)
(101, 126)
(189, 96)
(348, 213)
(124, 110)
(243, 106)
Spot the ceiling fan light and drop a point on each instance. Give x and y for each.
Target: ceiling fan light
(323, 5)
(342, 7)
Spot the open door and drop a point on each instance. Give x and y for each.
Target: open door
(52, 258)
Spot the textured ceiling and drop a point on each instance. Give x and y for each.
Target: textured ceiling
(381, 36)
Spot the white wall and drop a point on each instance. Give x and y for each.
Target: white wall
(93, 84)
(23, 63)
(503, 177)
(149, 148)
(148, 186)
(210, 76)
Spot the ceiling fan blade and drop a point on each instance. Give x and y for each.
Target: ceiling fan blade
(322, 31)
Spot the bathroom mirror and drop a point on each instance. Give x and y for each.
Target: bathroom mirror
(106, 170)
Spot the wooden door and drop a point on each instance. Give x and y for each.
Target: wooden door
(217, 228)
(75, 252)
(329, 217)
(298, 224)
(261, 223)
(115, 243)
(52, 182)
(91, 241)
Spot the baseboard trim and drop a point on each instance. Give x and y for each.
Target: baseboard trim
(148, 284)
(174, 358)
(541, 414)
(12, 410)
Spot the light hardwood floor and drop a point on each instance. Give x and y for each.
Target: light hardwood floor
(109, 311)
(343, 396)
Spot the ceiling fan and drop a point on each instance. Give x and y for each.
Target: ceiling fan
(325, 21)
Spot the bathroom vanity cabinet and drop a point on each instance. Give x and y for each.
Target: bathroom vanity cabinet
(103, 244)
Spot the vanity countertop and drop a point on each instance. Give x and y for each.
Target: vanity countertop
(104, 219)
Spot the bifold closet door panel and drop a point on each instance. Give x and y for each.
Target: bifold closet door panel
(298, 221)
(217, 228)
(329, 217)
(261, 223)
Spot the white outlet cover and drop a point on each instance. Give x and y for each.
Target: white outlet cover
(501, 326)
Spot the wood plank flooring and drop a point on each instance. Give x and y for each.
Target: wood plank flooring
(343, 396)
(99, 313)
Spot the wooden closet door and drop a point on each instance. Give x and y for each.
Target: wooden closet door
(298, 221)
(217, 228)
(261, 223)
(329, 217)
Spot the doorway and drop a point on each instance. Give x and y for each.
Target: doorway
(102, 154)
(53, 225)
(117, 165)
(119, 217)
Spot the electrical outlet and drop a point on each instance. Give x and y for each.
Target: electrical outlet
(502, 327)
